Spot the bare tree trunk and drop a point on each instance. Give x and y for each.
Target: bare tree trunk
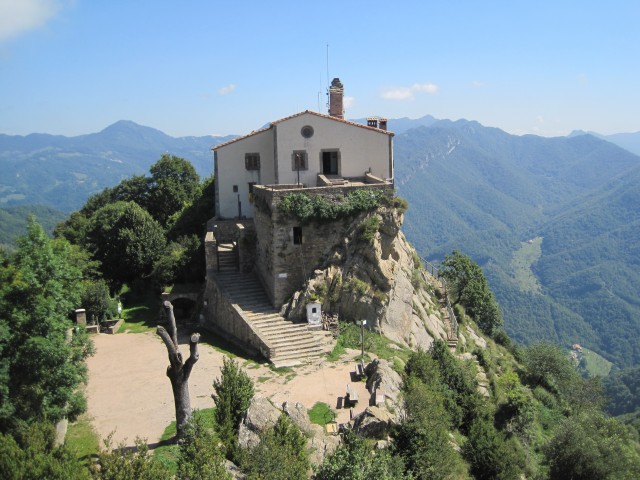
(177, 371)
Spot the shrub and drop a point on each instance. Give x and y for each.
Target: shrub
(233, 393)
(369, 227)
(307, 208)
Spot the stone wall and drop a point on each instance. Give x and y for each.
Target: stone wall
(227, 320)
(284, 266)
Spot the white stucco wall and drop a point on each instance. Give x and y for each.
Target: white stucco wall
(231, 171)
(360, 150)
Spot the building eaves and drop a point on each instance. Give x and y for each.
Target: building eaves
(329, 117)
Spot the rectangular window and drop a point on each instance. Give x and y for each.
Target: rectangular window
(299, 160)
(235, 189)
(297, 235)
(252, 161)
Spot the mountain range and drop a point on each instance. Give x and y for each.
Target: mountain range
(63, 172)
(552, 221)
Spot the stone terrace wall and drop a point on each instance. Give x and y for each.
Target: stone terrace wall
(284, 267)
(226, 320)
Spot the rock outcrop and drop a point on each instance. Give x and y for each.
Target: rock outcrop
(262, 414)
(374, 422)
(378, 278)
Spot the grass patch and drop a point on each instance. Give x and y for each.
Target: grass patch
(594, 364)
(83, 440)
(263, 379)
(141, 312)
(281, 370)
(321, 413)
(351, 337)
(521, 263)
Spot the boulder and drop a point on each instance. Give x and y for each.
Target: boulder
(374, 422)
(232, 468)
(320, 445)
(260, 415)
(297, 412)
(381, 376)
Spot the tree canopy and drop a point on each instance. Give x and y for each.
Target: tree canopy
(41, 361)
(472, 290)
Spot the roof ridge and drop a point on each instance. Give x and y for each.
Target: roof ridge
(322, 115)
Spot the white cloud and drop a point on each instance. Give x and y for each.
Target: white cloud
(19, 16)
(408, 93)
(348, 102)
(540, 119)
(226, 90)
(478, 84)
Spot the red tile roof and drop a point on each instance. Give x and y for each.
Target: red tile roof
(255, 132)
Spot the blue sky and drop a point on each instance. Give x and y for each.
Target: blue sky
(211, 67)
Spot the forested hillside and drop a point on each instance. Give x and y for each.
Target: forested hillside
(489, 194)
(552, 221)
(63, 171)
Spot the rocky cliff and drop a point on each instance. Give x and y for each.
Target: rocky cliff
(375, 274)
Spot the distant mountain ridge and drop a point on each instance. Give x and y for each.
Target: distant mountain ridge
(473, 188)
(629, 141)
(487, 193)
(63, 171)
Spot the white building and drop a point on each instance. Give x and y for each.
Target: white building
(307, 149)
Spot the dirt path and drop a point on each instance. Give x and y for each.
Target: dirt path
(129, 394)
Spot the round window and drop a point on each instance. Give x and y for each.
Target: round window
(307, 131)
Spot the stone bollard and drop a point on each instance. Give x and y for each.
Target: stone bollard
(81, 316)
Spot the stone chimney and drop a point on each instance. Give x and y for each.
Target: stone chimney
(372, 122)
(336, 94)
(383, 124)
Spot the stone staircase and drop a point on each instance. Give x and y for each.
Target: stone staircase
(292, 343)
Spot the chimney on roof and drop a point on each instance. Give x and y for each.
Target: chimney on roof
(336, 94)
(383, 124)
(372, 122)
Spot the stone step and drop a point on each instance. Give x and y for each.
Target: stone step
(281, 331)
(291, 336)
(281, 326)
(258, 309)
(295, 344)
(258, 318)
(291, 359)
(250, 298)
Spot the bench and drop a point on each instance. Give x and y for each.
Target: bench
(359, 371)
(352, 395)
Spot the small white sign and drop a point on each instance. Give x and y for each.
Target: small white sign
(282, 275)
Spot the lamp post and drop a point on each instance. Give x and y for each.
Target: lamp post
(362, 324)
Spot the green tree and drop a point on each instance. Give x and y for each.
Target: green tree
(201, 455)
(354, 459)
(490, 455)
(41, 362)
(472, 290)
(33, 455)
(97, 302)
(280, 455)
(591, 445)
(124, 463)
(549, 365)
(127, 242)
(174, 185)
(233, 394)
(422, 439)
